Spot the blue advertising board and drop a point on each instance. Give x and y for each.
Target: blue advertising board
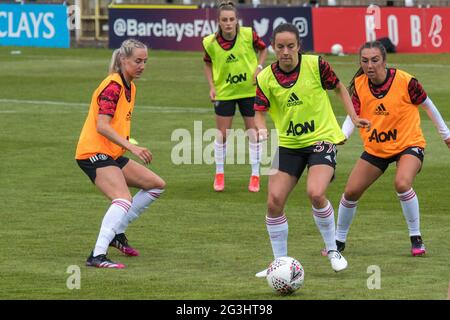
(37, 25)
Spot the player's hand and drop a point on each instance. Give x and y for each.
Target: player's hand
(361, 123)
(342, 142)
(212, 94)
(263, 134)
(257, 71)
(142, 153)
(447, 142)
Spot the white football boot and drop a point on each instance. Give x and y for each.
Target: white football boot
(337, 260)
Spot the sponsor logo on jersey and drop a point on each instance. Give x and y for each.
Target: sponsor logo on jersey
(300, 128)
(383, 136)
(236, 78)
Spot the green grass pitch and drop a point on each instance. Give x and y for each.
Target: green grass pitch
(194, 243)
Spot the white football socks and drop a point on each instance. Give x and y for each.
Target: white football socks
(111, 221)
(220, 151)
(278, 234)
(141, 201)
(346, 213)
(324, 219)
(255, 152)
(410, 207)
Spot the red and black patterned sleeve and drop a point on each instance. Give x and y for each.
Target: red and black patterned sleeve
(328, 78)
(356, 103)
(258, 43)
(416, 92)
(261, 101)
(206, 57)
(108, 99)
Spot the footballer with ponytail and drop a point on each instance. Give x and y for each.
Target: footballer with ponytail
(389, 99)
(103, 142)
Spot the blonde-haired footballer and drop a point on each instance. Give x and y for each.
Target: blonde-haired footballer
(103, 141)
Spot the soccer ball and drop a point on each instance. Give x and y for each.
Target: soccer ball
(285, 275)
(337, 49)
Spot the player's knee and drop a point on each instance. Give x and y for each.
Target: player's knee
(275, 203)
(161, 184)
(317, 198)
(252, 134)
(352, 195)
(221, 136)
(158, 184)
(402, 185)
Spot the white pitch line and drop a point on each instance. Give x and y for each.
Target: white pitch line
(78, 104)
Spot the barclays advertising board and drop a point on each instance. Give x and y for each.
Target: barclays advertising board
(34, 25)
(183, 29)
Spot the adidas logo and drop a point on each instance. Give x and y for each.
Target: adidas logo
(381, 110)
(232, 58)
(294, 100)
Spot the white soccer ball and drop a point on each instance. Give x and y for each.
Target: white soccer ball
(337, 49)
(285, 275)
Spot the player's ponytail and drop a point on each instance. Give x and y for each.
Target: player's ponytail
(125, 51)
(114, 65)
(368, 45)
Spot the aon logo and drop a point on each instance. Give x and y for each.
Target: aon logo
(236, 78)
(300, 128)
(383, 136)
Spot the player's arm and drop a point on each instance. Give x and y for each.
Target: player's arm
(261, 127)
(262, 104)
(348, 127)
(435, 116)
(262, 55)
(107, 103)
(105, 129)
(342, 93)
(209, 77)
(262, 50)
(330, 81)
(418, 96)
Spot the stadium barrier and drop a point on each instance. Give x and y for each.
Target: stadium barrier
(424, 30)
(411, 30)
